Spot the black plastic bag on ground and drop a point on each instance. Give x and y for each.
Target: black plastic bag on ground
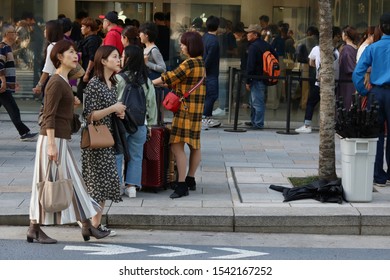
(321, 190)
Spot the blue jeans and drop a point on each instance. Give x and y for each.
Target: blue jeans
(119, 167)
(257, 103)
(212, 89)
(133, 171)
(383, 97)
(9, 103)
(135, 143)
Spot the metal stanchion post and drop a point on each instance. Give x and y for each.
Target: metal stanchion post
(238, 96)
(287, 131)
(231, 79)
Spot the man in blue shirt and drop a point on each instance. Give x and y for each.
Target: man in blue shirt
(377, 56)
(257, 46)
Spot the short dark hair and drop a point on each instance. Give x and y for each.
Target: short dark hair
(150, 29)
(264, 18)
(194, 43)
(66, 24)
(212, 23)
(159, 16)
(59, 48)
(313, 30)
(27, 15)
(90, 22)
(82, 14)
(385, 23)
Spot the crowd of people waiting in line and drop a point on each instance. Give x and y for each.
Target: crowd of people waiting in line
(113, 53)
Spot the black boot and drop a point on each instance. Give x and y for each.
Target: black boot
(190, 181)
(180, 190)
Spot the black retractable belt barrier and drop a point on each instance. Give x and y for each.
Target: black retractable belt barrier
(238, 96)
(288, 88)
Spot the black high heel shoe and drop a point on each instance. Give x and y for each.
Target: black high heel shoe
(180, 190)
(191, 183)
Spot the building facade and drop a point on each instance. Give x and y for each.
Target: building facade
(299, 14)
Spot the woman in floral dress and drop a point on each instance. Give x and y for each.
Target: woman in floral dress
(100, 106)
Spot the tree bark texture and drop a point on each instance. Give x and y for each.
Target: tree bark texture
(327, 158)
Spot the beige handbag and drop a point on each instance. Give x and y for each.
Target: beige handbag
(76, 73)
(96, 136)
(55, 192)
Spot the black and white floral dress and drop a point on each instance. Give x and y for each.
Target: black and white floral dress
(99, 165)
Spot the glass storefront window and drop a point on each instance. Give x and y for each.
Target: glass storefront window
(184, 16)
(140, 11)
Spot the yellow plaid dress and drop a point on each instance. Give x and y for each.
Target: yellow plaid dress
(186, 123)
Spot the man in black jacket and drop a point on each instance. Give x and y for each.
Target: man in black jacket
(256, 86)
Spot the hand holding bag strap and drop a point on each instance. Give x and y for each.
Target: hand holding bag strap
(55, 194)
(185, 95)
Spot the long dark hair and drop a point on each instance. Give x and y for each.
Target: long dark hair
(54, 32)
(103, 52)
(134, 63)
(132, 34)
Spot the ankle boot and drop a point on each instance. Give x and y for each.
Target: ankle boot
(190, 181)
(180, 190)
(88, 230)
(35, 232)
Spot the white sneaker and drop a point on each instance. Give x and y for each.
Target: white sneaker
(104, 229)
(205, 124)
(212, 123)
(219, 112)
(131, 192)
(304, 129)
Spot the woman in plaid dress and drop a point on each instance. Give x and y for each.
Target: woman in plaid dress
(186, 123)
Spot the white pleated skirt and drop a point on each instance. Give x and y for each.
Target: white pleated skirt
(82, 206)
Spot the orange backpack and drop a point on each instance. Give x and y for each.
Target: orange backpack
(271, 68)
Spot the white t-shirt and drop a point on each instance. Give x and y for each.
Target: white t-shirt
(315, 55)
(49, 66)
(360, 51)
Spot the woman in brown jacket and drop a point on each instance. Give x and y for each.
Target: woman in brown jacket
(52, 145)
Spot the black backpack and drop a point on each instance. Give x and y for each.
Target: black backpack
(135, 100)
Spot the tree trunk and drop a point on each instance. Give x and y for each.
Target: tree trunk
(327, 158)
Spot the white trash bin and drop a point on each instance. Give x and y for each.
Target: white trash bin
(358, 159)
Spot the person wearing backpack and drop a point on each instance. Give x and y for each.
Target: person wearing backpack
(257, 87)
(136, 91)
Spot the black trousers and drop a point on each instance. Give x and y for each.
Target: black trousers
(9, 103)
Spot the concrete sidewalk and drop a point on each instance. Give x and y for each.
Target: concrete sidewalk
(232, 188)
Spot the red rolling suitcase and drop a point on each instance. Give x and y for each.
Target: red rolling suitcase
(156, 159)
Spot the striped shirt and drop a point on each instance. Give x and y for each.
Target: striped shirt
(7, 66)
